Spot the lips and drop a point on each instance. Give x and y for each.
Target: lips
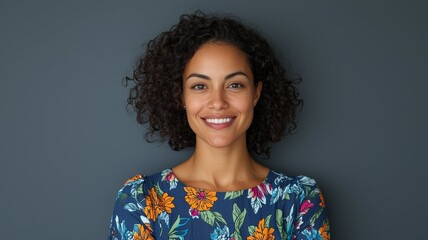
(218, 122)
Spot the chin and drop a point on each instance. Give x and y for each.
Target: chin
(221, 142)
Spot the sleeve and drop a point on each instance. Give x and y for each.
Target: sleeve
(129, 220)
(312, 220)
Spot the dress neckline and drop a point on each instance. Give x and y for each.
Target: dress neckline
(260, 184)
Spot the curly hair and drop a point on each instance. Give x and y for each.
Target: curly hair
(156, 95)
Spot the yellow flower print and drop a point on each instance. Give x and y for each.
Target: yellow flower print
(324, 232)
(262, 233)
(322, 203)
(156, 204)
(142, 232)
(201, 200)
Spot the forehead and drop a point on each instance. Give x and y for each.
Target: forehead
(218, 58)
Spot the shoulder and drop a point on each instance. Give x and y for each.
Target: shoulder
(282, 179)
(139, 183)
(306, 203)
(132, 196)
(298, 186)
(308, 208)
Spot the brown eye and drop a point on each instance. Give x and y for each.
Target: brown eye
(198, 87)
(236, 85)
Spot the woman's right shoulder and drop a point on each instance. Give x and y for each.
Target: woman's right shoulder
(139, 183)
(131, 185)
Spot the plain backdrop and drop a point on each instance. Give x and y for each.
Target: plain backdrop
(67, 142)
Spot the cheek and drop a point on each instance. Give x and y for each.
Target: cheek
(245, 105)
(192, 107)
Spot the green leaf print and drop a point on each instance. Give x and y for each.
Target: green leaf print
(235, 212)
(279, 219)
(234, 194)
(158, 190)
(314, 193)
(174, 232)
(219, 217)
(267, 221)
(139, 190)
(208, 217)
(238, 218)
(122, 197)
(315, 217)
(176, 223)
(236, 235)
(251, 230)
(308, 190)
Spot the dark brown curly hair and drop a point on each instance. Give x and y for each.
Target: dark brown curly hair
(156, 95)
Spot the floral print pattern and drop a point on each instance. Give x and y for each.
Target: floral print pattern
(198, 199)
(257, 195)
(156, 204)
(262, 232)
(161, 207)
(140, 232)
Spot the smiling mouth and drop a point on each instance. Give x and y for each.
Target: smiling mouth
(218, 120)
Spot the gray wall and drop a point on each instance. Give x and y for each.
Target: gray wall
(67, 142)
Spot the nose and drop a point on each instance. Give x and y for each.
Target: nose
(217, 99)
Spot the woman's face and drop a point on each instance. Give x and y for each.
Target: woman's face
(219, 94)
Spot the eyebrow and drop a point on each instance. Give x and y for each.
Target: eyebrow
(198, 75)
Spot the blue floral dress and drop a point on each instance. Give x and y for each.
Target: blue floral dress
(161, 207)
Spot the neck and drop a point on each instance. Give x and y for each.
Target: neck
(221, 161)
(221, 169)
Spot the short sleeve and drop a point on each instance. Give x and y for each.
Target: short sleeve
(312, 220)
(129, 220)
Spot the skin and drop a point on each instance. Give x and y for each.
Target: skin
(219, 96)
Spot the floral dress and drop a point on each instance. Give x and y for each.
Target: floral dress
(161, 207)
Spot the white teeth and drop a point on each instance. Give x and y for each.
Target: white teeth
(218, 120)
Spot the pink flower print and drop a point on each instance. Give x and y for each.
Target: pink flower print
(201, 195)
(194, 213)
(168, 175)
(257, 195)
(304, 208)
(298, 223)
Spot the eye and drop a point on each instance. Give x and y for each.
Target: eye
(198, 86)
(236, 85)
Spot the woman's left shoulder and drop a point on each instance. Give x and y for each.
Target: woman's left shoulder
(296, 184)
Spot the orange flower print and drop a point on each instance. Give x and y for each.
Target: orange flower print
(324, 232)
(322, 203)
(201, 200)
(262, 233)
(136, 177)
(156, 204)
(142, 233)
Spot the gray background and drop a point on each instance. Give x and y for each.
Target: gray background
(67, 142)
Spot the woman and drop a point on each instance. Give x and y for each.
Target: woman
(215, 85)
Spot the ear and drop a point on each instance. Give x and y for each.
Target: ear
(258, 92)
